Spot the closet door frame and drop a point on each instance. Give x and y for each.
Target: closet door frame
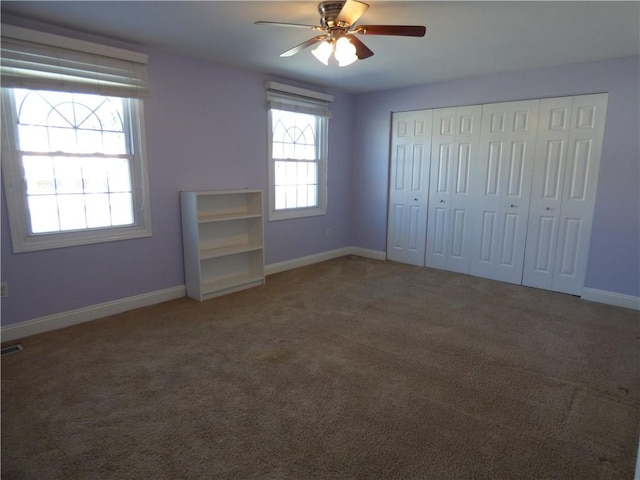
(555, 202)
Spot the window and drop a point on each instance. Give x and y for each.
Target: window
(73, 161)
(298, 123)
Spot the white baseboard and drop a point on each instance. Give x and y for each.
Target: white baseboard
(321, 257)
(86, 314)
(94, 312)
(368, 253)
(611, 298)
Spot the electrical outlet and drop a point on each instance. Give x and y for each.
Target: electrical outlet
(4, 289)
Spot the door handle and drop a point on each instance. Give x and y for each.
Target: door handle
(548, 208)
(513, 206)
(441, 201)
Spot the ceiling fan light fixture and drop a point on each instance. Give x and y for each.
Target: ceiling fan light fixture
(345, 52)
(323, 51)
(340, 37)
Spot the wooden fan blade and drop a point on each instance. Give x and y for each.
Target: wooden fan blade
(351, 12)
(295, 25)
(303, 45)
(362, 51)
(401, 30)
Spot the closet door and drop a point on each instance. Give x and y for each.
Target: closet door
(502, 189)
(454, 157)
(408, 186)
(564, 190)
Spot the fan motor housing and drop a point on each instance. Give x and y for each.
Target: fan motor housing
(328, 13)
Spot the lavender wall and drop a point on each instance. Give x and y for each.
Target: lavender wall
(614, 257)
(206, 129)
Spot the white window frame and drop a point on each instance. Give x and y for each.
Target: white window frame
(295, 99)
(13, 173)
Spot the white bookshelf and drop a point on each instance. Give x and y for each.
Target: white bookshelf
(223, 240)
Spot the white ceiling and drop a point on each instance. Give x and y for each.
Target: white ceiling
(463, 38)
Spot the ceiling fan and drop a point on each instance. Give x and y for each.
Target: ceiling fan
(339, 37)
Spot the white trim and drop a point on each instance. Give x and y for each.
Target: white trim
(322, 257)
(611, 298)
(86, 314)
(368, 253)
(304, 261)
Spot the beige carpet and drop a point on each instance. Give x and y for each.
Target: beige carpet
(348, 369)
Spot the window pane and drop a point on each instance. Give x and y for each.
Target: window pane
(280, 173)
(39, 175)
(312, 196)
(97, 210)
(121, 208)
(56, 118)
(33, 139)
(32, 108)
(291, 173)
(84, 117)
(280, 200)
(119, 175)
(288, 150)
(114, 143)
(68, 173)
(312, 173)
(110, 112)
(301, 200)
(71, 211)
(290, 197)
(94, 173)
(89, 141)
(62, 140)
(43, 211)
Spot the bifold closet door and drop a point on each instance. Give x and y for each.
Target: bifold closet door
(568, 151)
(454, 158)
(502, 189)
(408, 186)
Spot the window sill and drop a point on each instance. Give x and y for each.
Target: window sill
(74, 239)
(296, 213)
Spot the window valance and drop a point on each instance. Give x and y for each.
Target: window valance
(300, 100)
(38, 60)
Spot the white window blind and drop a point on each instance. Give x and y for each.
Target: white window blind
(299, 100)
(37, 60)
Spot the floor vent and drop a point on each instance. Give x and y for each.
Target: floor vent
(12, 349)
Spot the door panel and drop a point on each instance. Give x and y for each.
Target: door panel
(563, 193)
(546, 195)
(408, 186)
(454, 149)
(506, 165)
(579, 191)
